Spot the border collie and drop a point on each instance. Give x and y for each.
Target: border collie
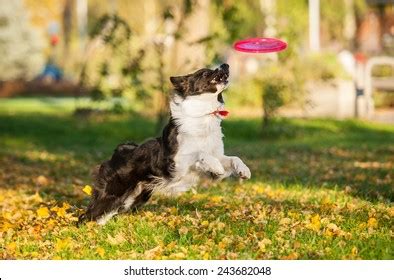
(190, 147)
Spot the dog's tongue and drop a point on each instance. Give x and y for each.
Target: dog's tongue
(223, 113)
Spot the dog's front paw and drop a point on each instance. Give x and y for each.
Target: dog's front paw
(211, 165)
(241, 169)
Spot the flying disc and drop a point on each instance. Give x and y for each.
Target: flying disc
(260, 45)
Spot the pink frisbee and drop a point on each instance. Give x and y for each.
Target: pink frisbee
(260, 45)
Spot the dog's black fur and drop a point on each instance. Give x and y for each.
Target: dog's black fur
(134, 170)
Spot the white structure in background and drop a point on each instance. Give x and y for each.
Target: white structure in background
(82, 21)
(314, 25)
(370, 83)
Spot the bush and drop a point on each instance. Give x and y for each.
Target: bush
(283, 83)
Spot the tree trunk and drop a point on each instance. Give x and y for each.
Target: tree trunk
(67, 27)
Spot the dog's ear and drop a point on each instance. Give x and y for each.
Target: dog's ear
(179, 83)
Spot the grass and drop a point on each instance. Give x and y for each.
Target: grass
(320, 189)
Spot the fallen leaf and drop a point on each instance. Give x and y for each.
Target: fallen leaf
(205, 223)
(42, 180)
(11, 246)
(285, 221)
(118, 239)
(183, 230)
(100, 251)
(372, 223)
(314, 223)
(88, 190)
(62, 244)
(291, 256)
(216, 199)
(43, 212)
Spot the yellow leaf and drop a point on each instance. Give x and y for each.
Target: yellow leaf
(118, 239)
(332, 227)
(183, 230)
(372, 223)
(204, 223)
(354, 251)
(62, 244)
(100, 251)
(315, 223)
(216, 199)
(259, 189)
(391, 211)
(285, 221)
(171, 245)
(222, 245)
(328, 233)
(61, 212)
(177, 256)
(43, 212)
(291, 256)
(51, 223)
(66, 205)
(87, 189)
(362, 226)
(263, 243)
(11, 246)
(153, 253)
(36, 198)
(297, 245)
(173, 210)
(171, 224)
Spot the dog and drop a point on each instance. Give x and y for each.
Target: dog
(190, 147)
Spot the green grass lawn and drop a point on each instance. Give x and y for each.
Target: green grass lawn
(320, 189)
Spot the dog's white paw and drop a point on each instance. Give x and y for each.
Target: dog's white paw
(212, 165)
(241, 169)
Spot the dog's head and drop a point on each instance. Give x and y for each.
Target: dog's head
(203, 81)
(200, 93)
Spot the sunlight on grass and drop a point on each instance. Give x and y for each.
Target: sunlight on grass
(321, 189)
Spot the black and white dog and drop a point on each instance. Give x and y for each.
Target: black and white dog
(190, 147)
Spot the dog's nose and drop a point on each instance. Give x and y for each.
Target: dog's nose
(225, 67)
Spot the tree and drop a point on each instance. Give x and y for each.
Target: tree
(20, 43)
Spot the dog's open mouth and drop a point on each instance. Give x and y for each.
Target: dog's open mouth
(221, 75)
(220, 79)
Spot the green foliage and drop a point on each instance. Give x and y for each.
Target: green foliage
(240, 19)
(383, 99)
(333, 13)
(112, 29)
(381, 71)
(280, 85)
(322, 67)
(292, 24)
(114, 62)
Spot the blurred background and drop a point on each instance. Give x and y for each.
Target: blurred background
(117, 55)
(314, 123)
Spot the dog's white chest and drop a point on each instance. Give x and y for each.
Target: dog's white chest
(195, 137)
